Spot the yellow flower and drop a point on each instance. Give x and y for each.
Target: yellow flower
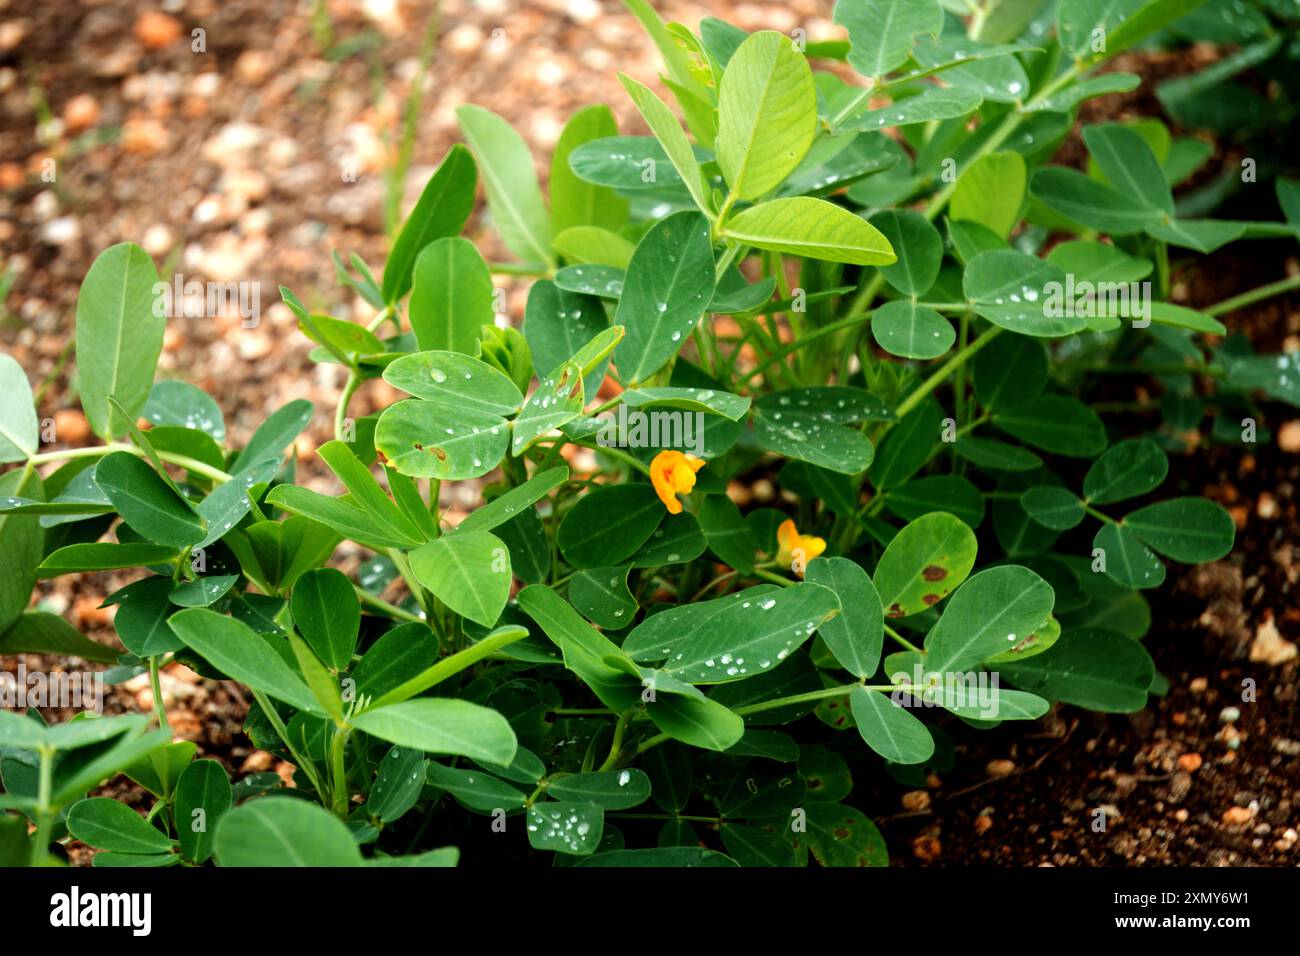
(796, 549)
(673, 474)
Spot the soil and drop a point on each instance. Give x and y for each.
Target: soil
(225, 164)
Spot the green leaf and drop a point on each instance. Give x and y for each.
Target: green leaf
(857, 635)
(19, 433)
(557, 323)
(1181, 317)
(573, 201)
(1097, 261)
(514, 196)
(600, 258)
(1091, 203)
(1191, 530)
(505, 507)
(609, 525)
(366, 493)
(666, 129)
(336, 514)
(951, 493)
(146, 502)
(558, 400)
(573, 828)
(767, 114)
(1074, 94)
(1128, 164)
(274, 435)
(477, 790)
(468, 571)
(236, 650)
(912, 331)
(918, 246)
(119, 336)
(1080, 24)
(283, 831)
(39, 632)
(597, 661)
(105, 824)
(994, 704)
(1095, 669)
(726, 533)
(1126, 470)
(932, 103)
(841, 836)
(1127, 559)
(888, 729)
(924, 562)
(695, 720)
(440, 725)
(1055, 423)
(808, 436)
(327, 614)
(455, 380)
(729, 406)
(452, 296)
(751, 635)
(626, 163)
(1202, 235)
(1009, 371)
(103, 557)
(669, 284)
(815, 228)
(21, 545)
(611, 789)
(1012, 290)
(883, 32)
(203, 786)
(991, 192)
(993, 455)
(990, 613)
(346, 341)
(442, 210)
(1053, 506)
(432, 440)
(398, 784)
(400, 655)
(602, 596)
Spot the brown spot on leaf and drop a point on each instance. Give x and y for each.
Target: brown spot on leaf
(931, 599)
(895, 610)
(841, 833)
(934, 573)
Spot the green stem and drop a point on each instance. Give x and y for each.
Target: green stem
(616, 745)
(155, 681)
(790, 348)
(449, 666)
(1254, 295)
(341, 411)
(946, 369)
(338, 772)
(99, 451)
(901, 639)
(379, 604)
(303, 764)
(44, 812)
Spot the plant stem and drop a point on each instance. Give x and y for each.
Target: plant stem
(448, 667)
(99, 451)
(338, 772)
(379, 604)
(1254, 295)
(616, 745)
(789, 349)
(901, 639)
(305, 765)
(341, 411)
(946, 369)
(44, 812)
(155, 681)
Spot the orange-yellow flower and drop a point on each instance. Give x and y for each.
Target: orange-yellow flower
(796, 549)
(673, 473)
